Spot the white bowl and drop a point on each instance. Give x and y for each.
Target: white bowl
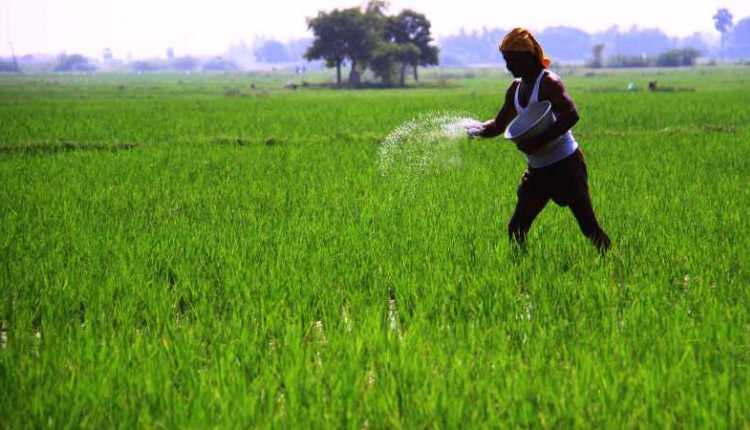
(532, 122)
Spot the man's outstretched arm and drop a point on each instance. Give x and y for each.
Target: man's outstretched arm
(496, 126)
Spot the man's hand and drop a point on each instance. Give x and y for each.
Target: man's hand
(475, 130)
(472, 133)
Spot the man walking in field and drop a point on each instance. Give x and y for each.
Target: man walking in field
(556, 167)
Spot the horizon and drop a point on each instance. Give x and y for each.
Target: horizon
(88, 27)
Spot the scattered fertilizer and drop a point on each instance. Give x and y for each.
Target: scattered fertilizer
(427, 143)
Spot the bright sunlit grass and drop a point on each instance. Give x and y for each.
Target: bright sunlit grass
(173, 255)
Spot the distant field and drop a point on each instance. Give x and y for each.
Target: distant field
(189, 251)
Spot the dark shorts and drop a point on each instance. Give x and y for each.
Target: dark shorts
(565, 182)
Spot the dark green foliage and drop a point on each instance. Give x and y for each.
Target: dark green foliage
(678, 58)
(630, 61)
(673, 58)
(362, 39)
(412, 28)
(342, 35)
(390, 61)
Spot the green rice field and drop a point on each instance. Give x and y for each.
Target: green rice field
(191, 252)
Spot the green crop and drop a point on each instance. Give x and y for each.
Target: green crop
(191, 252)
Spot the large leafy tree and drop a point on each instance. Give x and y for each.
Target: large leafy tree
(410, 27)
(342, 35)
(367, 37)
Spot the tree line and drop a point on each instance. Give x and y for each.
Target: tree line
(368, 38)
(617, 45)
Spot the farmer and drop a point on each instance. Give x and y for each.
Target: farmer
(556, 167)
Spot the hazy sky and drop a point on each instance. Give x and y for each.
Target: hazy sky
(148, 27)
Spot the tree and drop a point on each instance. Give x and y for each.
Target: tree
(145, 66)
(73, 63)
(597, 60)
(272, 51)
(376, 20)
(629, 61)
(410, 27)
(219, 64)
(678, 57)
(329, 43)
(8, 66)
(387, 57)
(383, 62)
(409, 54)
(342, 35)
(723, 22)
(186, 63)
(633, 42)
(376, 7)
(361, 37)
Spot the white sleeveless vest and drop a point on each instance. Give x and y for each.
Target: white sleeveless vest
(554, 151)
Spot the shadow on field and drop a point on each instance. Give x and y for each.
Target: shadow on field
(54, 148)
(438, 83)
(240, 141)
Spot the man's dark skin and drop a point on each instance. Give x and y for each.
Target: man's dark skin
(566, 181)
(526, 66)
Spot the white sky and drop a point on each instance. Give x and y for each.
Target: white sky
(148, 27)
